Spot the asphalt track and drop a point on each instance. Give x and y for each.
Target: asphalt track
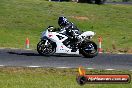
(29, 58)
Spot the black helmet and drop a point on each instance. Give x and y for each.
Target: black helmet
(62, 21)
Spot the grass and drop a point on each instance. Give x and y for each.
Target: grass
(20, 19)
(19, 77)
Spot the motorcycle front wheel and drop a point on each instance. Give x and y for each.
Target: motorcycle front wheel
(45, 50)
(88, 49)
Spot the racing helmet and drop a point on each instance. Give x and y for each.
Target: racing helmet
(62, 21)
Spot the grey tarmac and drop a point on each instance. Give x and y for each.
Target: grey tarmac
(30, 58)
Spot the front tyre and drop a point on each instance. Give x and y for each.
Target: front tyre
(88, 49)
(45, 50)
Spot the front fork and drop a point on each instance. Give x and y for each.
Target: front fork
(46, 42)
(45, 39)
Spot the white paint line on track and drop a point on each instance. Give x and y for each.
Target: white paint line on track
(110, 69)
(28, 49)
(33, 66)
(90, 68)
(14, 48)
(120, 53)
(1, 65)
(62, 67)
(2, 48)
(7, 48)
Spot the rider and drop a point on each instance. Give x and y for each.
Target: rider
(70, 29)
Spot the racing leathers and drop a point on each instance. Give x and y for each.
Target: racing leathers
(72, 32)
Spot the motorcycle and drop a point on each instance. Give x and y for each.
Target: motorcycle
(57, 42)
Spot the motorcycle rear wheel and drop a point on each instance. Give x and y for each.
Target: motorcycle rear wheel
(88, 49)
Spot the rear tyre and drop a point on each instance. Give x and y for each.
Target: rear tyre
(45, 50)
(88, 49)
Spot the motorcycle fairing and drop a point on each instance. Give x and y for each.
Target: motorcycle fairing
(61, 48)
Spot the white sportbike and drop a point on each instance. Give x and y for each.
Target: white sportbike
(57, 42)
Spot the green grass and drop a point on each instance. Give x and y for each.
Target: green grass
(28, 18)
(51, 78)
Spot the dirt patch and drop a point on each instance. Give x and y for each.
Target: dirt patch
(114, 49)
(80, 17)
(126, 50)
